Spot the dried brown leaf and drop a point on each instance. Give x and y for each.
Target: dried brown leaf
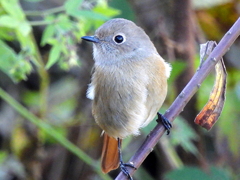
(212, 110)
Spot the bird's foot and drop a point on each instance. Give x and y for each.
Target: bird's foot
(166, 123)
(123, 167)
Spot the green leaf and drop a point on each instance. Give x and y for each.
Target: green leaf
(13, 8)
(47, 34)
(230, 127)
(31, 99)
(88, 14)
(15, 66)
(189, 173)
(3, 156)
(187, 135)
(54, 55)
(21, 68)
(27, 45)
(72, 5)
(8, 21)
(64, 22)
(53, 41)
(7, 34)
(220, 174)
(177, 68)
(8, 59)
(24, 28)
(107, 11)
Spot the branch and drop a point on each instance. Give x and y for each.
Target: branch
(180, 102)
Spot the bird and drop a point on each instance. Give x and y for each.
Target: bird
(128, 86)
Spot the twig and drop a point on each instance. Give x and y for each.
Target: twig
(40, 23)
(183, 98)
(45, 12)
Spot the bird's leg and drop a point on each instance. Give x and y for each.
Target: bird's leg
(166, 123)
(123, 166)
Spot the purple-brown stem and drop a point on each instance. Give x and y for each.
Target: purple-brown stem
(180, 102)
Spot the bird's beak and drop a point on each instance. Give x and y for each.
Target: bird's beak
(93, 39)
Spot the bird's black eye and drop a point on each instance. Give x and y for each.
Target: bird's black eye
(118, 39)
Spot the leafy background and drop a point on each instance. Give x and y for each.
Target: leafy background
(46, 127)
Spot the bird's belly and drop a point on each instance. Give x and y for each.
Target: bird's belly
(120, 111)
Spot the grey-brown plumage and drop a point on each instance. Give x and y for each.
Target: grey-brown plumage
(129, 83)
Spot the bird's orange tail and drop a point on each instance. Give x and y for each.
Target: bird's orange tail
(110, 156)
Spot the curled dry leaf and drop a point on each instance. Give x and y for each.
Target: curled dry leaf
(212, 110)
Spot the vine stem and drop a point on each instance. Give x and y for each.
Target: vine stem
(180, 102)
(44, 81)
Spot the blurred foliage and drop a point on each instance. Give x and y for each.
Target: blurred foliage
(188, 135)
(3, 156)
(229, 125)
(14, 26)
(20, 55)
(177, 68)
(189, 173)
(124, 7)
(51, 108)
(216, 20)
(63, 30)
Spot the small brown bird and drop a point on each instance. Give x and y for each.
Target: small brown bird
(129, 85)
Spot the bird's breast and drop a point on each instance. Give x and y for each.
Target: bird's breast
(119, 101)
(127, 97)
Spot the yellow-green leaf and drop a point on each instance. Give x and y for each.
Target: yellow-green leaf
(54, 55)
(8, 21)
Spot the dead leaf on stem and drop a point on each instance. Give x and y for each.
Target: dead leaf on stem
(212, 110)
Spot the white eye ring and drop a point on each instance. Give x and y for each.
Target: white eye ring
(119, 38)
